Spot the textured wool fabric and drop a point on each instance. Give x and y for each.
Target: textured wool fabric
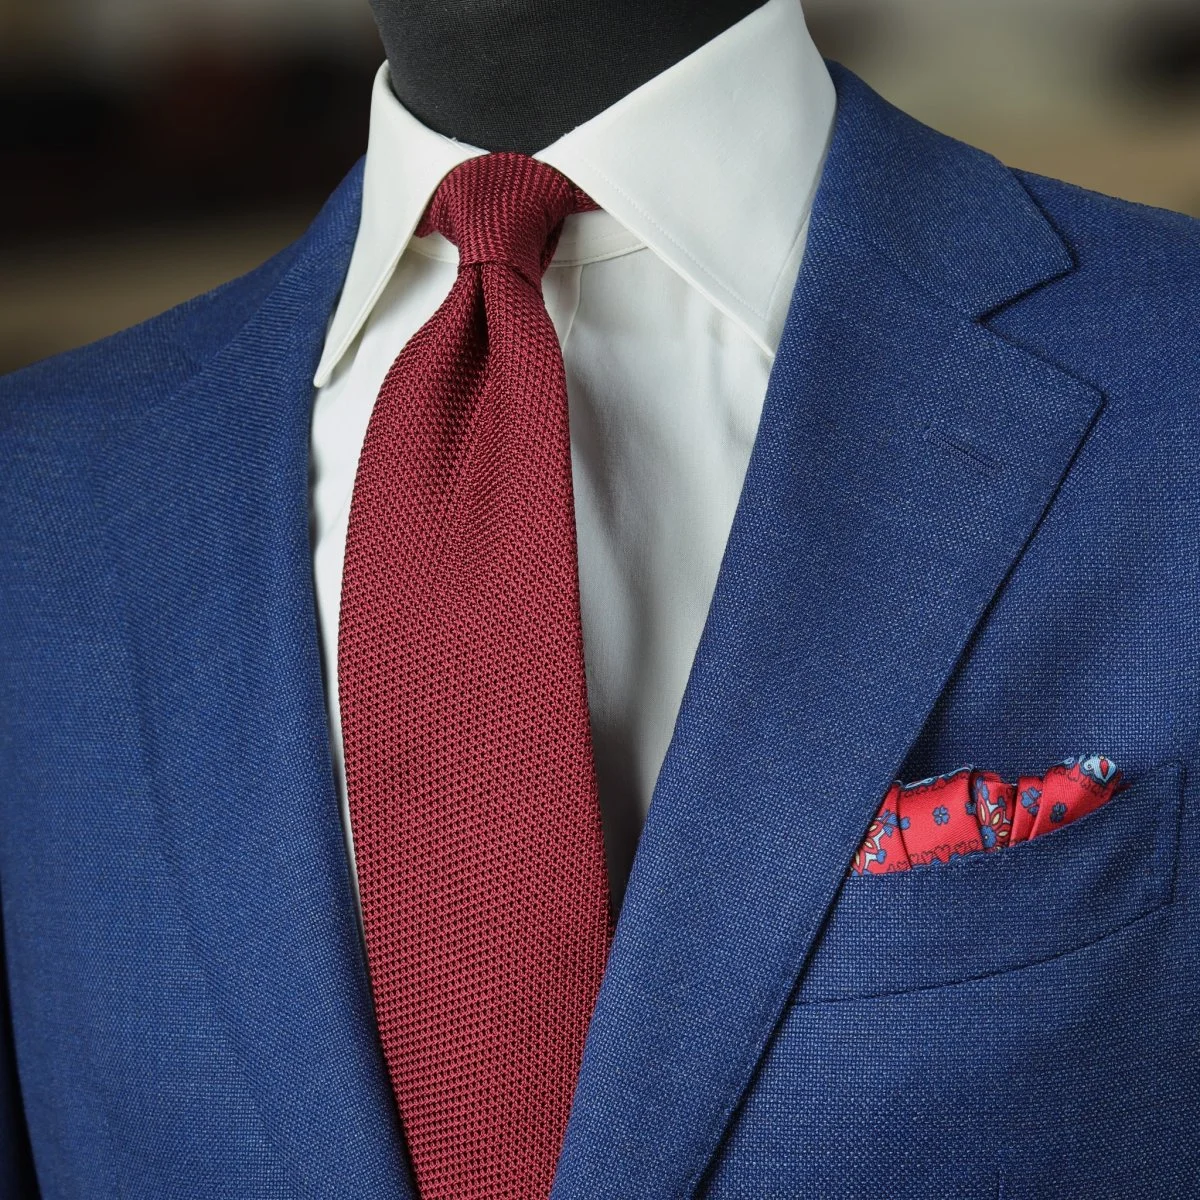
(972, 812)
(464, 708)
(970, 533)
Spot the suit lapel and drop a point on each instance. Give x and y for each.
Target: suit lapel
(904, 458)
(223, 628)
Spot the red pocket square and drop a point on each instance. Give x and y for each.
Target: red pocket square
(969, 811)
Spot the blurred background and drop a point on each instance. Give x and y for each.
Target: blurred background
(150, 149)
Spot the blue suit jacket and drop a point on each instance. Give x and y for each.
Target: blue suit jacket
(970, 533)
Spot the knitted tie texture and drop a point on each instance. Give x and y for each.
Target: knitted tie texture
(469, 764)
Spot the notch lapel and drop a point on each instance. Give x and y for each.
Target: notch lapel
(224, 635)
(904, 458)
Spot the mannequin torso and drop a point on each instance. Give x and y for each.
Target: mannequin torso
(517, 74)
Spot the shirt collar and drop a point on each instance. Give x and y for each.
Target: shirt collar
(712, 165)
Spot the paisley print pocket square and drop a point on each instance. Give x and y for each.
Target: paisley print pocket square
(972, 812)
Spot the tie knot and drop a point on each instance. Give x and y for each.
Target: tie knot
(504, 208)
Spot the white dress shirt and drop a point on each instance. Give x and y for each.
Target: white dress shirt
(668, 303)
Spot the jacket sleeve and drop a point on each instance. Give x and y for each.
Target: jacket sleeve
(17, 1178)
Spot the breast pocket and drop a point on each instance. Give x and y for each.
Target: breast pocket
(988, 913)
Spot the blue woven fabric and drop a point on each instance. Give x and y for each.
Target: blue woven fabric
(969, 534)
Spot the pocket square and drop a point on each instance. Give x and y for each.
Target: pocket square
(971, 812)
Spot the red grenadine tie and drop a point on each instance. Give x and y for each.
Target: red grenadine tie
(464, 708)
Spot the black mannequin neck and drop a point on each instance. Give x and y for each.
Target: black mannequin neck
(517, 74)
